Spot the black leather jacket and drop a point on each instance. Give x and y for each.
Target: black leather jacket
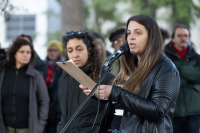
(151, 111)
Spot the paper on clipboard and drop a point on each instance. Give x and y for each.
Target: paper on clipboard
(78, 75)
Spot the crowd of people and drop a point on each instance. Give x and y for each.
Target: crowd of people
(154, 87)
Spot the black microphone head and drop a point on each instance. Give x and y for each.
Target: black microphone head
(124, 49)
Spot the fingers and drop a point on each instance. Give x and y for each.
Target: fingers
(87, 92)
(83, 87)
(101, 92)
(104, 90)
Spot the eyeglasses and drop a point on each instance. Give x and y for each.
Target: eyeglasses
(78, 32)
(118, 41)
(180, 36)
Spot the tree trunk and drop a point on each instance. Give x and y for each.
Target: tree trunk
(72, 15)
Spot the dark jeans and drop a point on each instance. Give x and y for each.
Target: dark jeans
(188, 124)
(50, 128)
(113, 131)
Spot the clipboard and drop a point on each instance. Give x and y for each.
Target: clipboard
(78, 75)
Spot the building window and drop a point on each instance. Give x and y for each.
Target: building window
(20, 24)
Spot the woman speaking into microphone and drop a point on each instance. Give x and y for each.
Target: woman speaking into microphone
(149, 82)
(82, 50)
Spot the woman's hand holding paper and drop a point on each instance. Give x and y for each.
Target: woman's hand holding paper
(104, 91)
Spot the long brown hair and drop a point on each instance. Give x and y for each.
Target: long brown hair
(17, 44)
(130, 77)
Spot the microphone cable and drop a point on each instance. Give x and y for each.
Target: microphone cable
(98, 103)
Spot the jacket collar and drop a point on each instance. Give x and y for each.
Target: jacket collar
(29, 71)
(146, 85)
(86, 69)
(169, 49)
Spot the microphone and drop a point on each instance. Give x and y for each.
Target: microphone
(122, 50)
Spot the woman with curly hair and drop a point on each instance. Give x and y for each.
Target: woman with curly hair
(82, 50)
(24, 99)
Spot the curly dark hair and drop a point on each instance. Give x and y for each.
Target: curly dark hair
(17, 44)
(94, 58)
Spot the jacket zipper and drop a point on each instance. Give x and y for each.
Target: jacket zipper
(14, 96)
(59, 99)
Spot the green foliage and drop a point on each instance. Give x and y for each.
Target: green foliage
(182, 11)
(51, 13)
(56, 35)
(102, 11)
(147, 7)
(104, 8)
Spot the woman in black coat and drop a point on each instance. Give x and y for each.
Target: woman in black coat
(82, 50)
(24, 100)
(150, 82)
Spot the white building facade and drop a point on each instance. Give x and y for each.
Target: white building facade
(33, 20)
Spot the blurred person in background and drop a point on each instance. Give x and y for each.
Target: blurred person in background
(54, 51)
(98, 36)
(24, 100)
(165, 36)
(117, 40)
(82, 50)
(187, 112)
(2, 53)
(101, 47)
(40, 65)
